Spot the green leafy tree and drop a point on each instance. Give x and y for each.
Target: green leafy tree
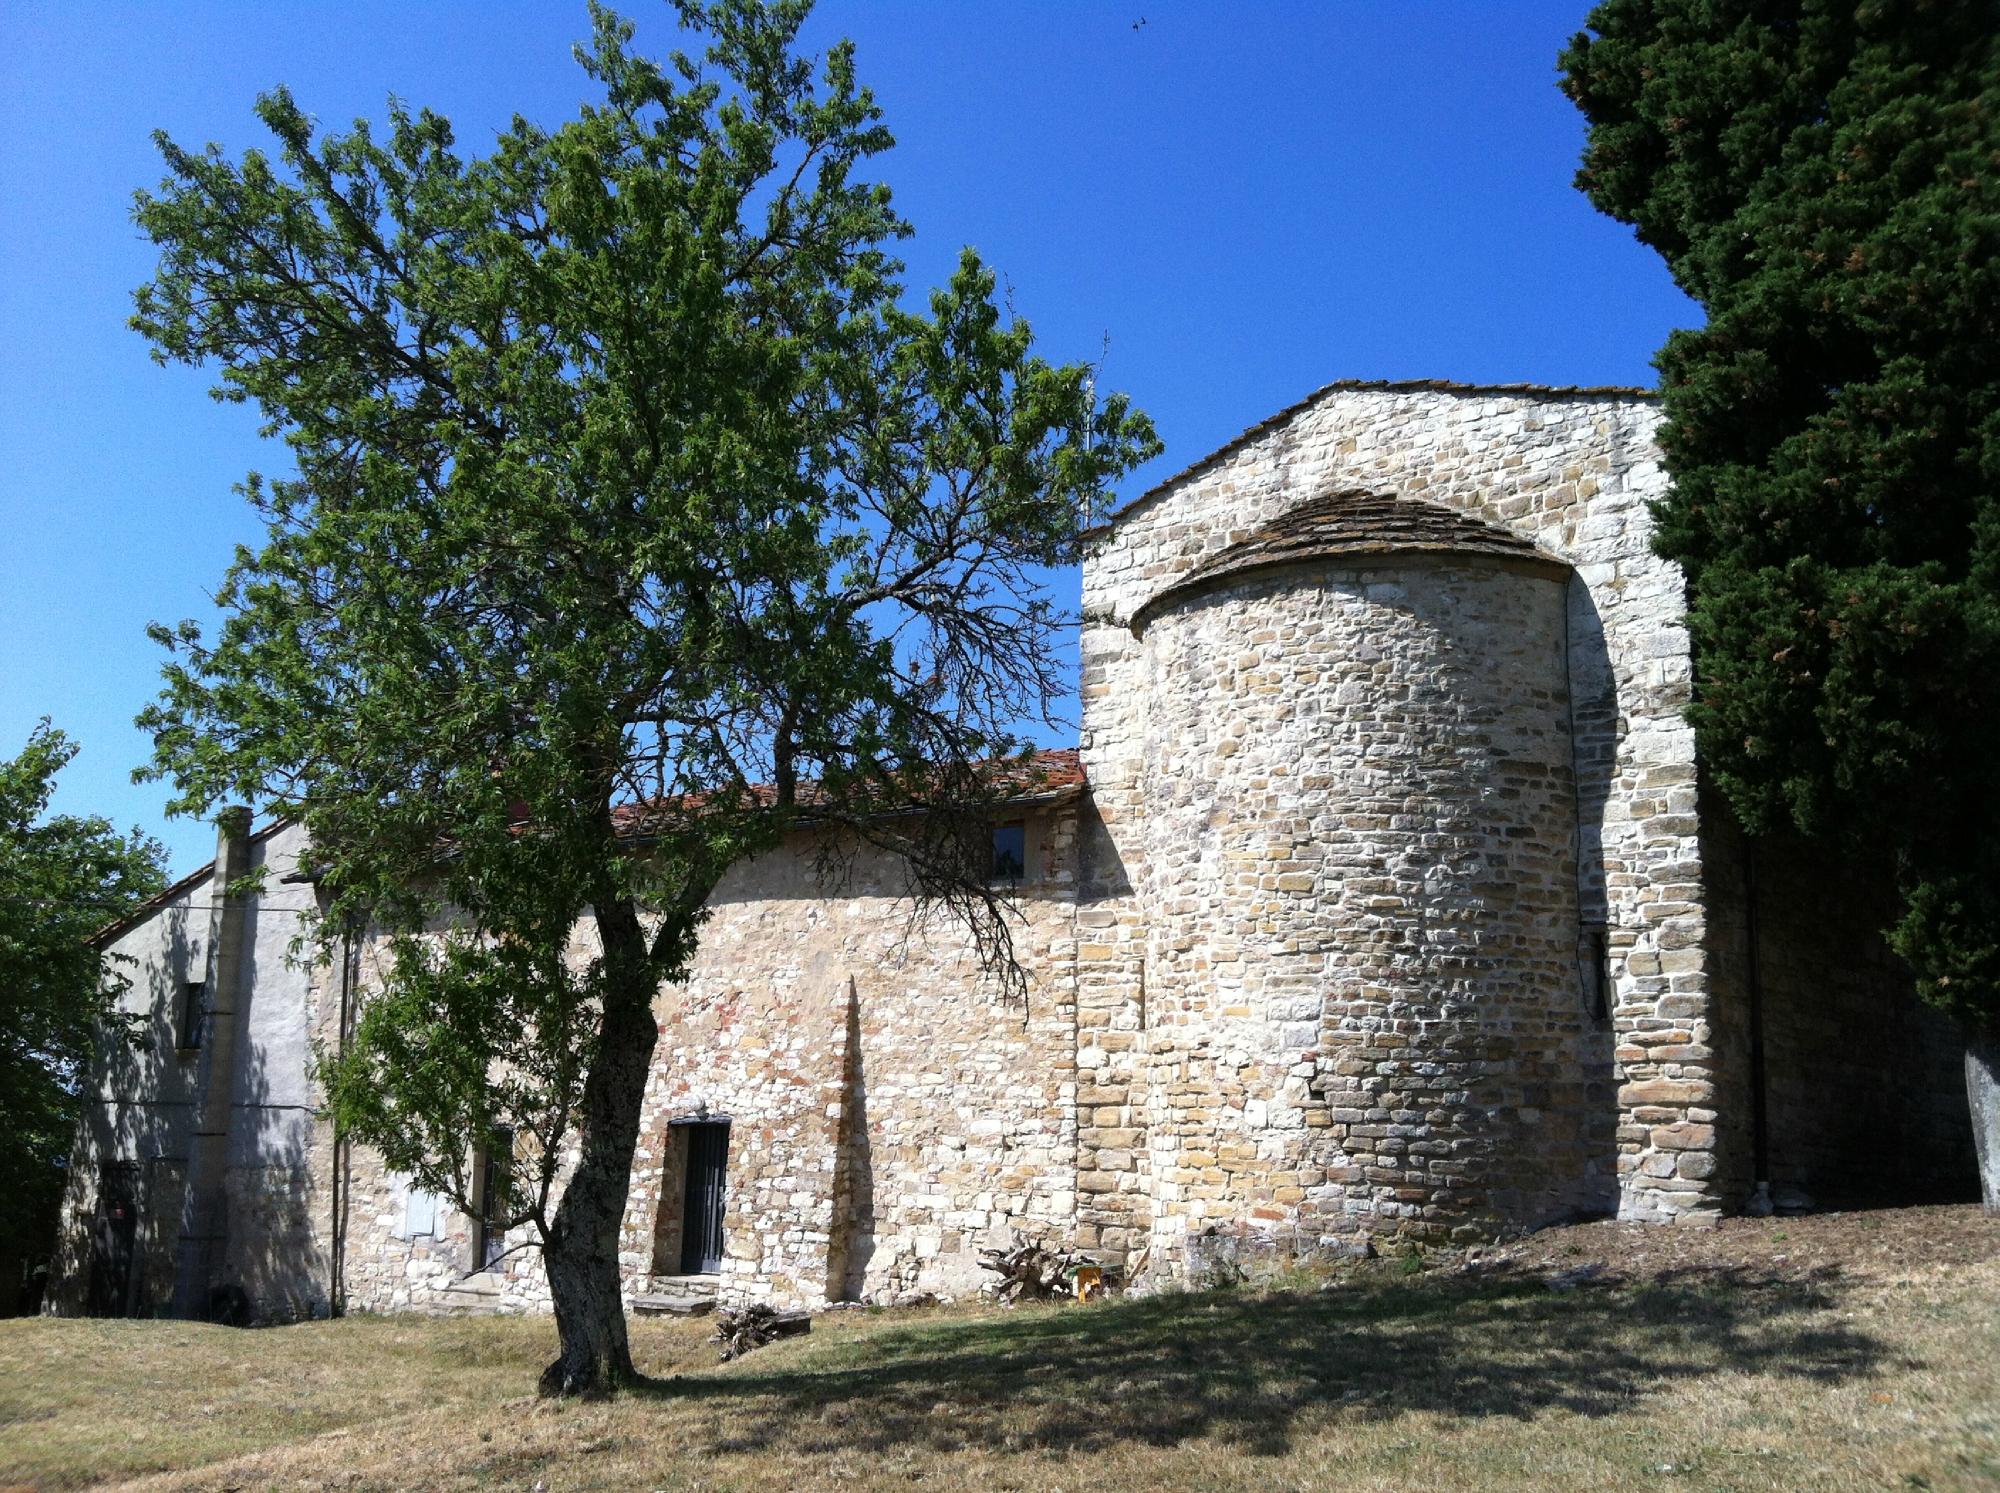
(1824, 178)
(638, 521)
(62, 877)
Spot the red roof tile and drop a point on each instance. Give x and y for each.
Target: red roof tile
(1044, 773)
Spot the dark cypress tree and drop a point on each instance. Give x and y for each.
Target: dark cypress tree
(1824, 178)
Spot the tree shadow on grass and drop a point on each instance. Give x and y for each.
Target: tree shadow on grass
(1249, 1369)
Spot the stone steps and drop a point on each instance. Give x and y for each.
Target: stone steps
(688, 1296)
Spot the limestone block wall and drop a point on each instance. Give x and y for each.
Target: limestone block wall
(387, 1265)
(891, 1109)
(1390, 906)
(1114, 1174)
(399, 1248)
(1360, 831)
(1572, 472)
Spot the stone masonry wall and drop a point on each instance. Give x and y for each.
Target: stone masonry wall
(1390, 907)
(890, 1109)
(1360, 831)
(1114, 1175)
(139, 1110)
(1573, 473)
(401, 1249)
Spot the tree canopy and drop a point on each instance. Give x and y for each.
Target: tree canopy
(62, 877)
(639, 519)
(1821, 176)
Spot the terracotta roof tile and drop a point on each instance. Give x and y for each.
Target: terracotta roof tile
(1045, 773)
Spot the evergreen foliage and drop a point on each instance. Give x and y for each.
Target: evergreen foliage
(62, 878)
(1824, 178)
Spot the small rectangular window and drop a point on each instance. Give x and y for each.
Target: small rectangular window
(1010, 853)
(188, 1018)
(1595, 957)
(496, 1174)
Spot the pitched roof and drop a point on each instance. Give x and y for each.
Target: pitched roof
(1044, 775)
(1356, 522)
(1049, 773)
(1364, 385)
(159, 899)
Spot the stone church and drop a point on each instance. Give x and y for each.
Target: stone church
(1380, 898)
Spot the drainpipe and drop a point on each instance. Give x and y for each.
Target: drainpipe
(205, 1214)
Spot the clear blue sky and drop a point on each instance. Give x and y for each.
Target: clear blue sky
(1247, 200)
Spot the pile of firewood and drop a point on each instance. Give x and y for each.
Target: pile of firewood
(754, 1325)
(1035, 1272)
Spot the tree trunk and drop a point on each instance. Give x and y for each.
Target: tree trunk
(590, 1313)
(1982, 1093)
(581, 1249)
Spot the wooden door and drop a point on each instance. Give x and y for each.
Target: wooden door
(705, 1198)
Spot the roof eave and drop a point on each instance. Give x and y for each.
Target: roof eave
(118, 927)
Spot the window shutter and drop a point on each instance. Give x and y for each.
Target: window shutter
(420, 1213)
(419, 1210)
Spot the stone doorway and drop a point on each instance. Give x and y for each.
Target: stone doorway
(704, 1200)
(694, 1175)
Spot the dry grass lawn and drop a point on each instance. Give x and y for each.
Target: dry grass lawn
(1850, 1352)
